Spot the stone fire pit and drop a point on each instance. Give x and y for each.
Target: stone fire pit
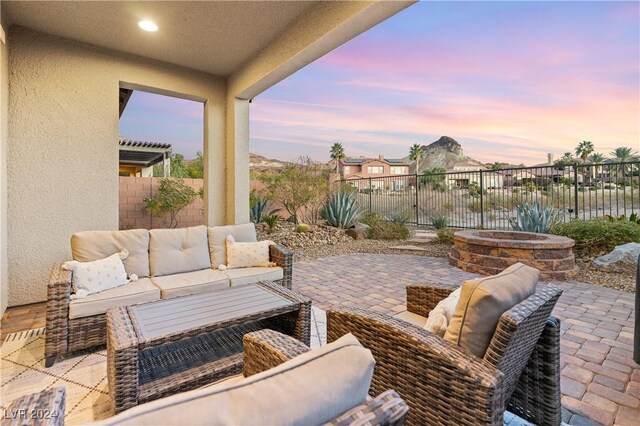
(490, 252)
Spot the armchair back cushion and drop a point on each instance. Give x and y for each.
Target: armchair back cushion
(88, 246)
(245, 233)
(483, 301)
(312, 388)
(172, 251)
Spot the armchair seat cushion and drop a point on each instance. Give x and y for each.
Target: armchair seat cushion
(187, 283)
(298, 391)
(132, 293)
(411, 318)
(245, 276)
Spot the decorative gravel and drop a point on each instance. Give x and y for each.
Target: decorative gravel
(623, 281)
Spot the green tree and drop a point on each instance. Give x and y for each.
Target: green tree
(596, 158)
(623, 155)
(434, 178)
(337, 154)
(416, 153)
(171, 196)
(566, 160)
(495, 166)
(584, 149)
(300, 187)
(181, 168)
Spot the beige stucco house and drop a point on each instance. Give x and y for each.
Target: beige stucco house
(61, 70)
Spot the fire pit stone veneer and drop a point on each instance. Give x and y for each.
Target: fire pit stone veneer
(490, 252)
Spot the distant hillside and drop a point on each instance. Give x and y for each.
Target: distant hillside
(258, 162)
(445, 153)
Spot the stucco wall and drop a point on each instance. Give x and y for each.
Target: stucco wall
(4, 97)
(63, 150)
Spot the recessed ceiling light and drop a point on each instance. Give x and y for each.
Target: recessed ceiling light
(148, 26)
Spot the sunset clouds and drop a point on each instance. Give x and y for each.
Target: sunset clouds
(510, 81)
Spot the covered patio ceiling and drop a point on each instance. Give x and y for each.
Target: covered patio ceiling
(233, 32)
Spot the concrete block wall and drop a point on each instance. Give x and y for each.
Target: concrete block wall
(132, 214)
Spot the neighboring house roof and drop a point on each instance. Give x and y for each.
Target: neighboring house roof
(142, 153)
(361, 161)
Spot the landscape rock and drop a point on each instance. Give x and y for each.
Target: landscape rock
(623, 258)
(360, 231)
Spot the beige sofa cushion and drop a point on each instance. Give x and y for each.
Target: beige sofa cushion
(245, 233)
(172, 251)
(187, 283)
(135, 292)
(100, 275)
(483, 301)
(298, 392)
(253, 275)
(88, 246)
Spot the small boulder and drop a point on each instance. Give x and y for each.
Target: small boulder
(623, 258)
(360, 231)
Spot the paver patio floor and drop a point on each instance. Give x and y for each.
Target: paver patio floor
(600, 381)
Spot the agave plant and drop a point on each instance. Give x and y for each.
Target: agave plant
(341, 210)
(257, 206)
(534, 218)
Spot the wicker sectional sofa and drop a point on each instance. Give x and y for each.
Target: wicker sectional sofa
(168, 262)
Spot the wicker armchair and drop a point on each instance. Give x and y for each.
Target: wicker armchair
(447, 385)
(65, 335)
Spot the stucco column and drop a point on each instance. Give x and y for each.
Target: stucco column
(237, 161)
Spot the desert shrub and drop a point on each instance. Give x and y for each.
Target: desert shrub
(387, 230)
(439, 220)
(303, 227)
(597, 235)
(171, 196)
(271, 220)
(257, 205)
(384, 229)
(341, 210)
(400, 217)
(474, 206)
(445, 235)
(534, 218)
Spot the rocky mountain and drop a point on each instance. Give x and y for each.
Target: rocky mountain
(444, 153)
(258, 162)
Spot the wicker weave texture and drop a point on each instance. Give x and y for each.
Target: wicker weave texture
(442, 383)
(142, 370)
(44, 408)
(64, 335)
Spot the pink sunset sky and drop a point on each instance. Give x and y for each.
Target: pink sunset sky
(510, 81)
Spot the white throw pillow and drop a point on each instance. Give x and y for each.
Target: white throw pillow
(99, 275)
(440, 316)
(246, 255)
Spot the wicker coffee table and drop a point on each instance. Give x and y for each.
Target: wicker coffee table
(160, 348)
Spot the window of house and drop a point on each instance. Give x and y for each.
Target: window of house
(397, 170)
(347, 170)
(375, 170)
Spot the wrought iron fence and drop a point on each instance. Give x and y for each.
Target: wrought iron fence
(488, 198)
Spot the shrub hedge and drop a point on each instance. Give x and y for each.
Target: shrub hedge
(595, 236)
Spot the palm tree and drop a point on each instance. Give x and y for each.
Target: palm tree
(416, 153)
(623, 155)
(597, 158)
(584, 149)
(337, 153)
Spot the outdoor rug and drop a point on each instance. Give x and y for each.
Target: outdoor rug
(22, 372)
